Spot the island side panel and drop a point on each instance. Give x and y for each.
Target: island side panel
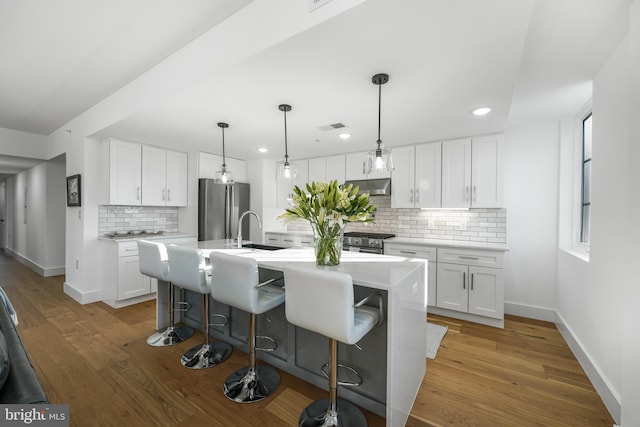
(406, 345)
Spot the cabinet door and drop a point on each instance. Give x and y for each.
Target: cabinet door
(154, 176)
(486, 291)
(452, 292)
(318, 169)
(177, 178)
(335, 168)
(428, 175)
(456, 173)
(354, 166)
(131, 283)
(302, 177)
(125, 173)
(402, 178)
(486, 172)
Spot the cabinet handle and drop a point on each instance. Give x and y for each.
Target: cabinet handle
(475, 193)
(408, 252)
(417, 193)
(138, 194)
(466, 193)
(410, 196)
(464, 280)
(287, 240)
(474, 258)
(169, 195)
(163, 194)
(471, 281)
(131, 249)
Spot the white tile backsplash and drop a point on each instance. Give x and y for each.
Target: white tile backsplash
(128, 218)
(473, 225)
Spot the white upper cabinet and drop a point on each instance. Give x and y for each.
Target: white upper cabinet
(124, 172)
(487, 172)
(141, 175)
(177, 176)
(164, 177)
(355, 168)
(335, 168)
(209, 164)
(318, 169)
(456, 173)
(327, 169)
(416, 180)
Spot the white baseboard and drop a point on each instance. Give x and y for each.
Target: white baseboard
(530, 311)
(600, 383)
(82, 297)
(43, 271)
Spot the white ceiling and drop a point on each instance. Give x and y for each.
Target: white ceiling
(531, 60)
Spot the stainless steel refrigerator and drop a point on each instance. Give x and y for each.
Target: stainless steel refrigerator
(219, 207)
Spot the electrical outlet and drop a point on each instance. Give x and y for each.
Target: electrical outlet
(463, 225)
(77, 264)
(431, 224)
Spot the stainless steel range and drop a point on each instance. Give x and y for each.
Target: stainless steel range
(371, 243)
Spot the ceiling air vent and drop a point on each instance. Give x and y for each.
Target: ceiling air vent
(332, 126)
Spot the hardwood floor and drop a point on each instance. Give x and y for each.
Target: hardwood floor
(96, 359)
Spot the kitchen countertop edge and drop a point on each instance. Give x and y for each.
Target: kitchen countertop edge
(462, 244)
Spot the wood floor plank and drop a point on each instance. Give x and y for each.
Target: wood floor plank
(95, 358)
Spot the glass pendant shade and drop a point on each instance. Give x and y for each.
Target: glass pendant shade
(379, 160)
(223, 176)
(284, 168)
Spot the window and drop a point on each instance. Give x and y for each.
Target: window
(585, 204)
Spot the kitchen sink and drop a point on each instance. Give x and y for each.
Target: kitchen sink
(262, 247)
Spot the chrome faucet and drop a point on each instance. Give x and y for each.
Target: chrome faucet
(240, 225)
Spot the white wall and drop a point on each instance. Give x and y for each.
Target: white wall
(22, 144)
(531, 194)
(591, 295)
(35, 234)
(631, 320)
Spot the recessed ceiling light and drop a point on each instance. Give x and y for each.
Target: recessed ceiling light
(263, 149)
(481, 111)
(345, 136)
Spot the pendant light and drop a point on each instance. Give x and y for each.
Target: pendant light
(223, 176)
(378, 160)
(284, 168)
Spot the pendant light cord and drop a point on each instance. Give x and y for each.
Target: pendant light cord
(286, 153)
(224, 161)
(379, 111)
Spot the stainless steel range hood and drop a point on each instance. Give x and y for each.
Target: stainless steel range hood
(373, 187)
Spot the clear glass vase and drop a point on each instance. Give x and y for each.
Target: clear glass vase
(327, 243)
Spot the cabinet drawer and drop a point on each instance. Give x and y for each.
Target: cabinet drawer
(481, 258)
(127, 249)
(273, 239)
(424, 252)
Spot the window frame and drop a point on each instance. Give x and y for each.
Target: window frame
(578, 247)
(583, 164)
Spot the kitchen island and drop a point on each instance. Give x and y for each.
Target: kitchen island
(392, 360)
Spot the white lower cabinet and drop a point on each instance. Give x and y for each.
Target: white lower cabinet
(288, 240)
(471, 281)
(122, 282)
(462, 283)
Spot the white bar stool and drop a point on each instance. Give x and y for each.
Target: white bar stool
(154, 263)
(235, 282)
(322, 301)
(187, 268)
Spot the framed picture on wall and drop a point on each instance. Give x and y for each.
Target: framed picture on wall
(73, 190)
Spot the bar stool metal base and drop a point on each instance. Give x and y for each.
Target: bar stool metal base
(205, 355)
(170, 336)
(318, 414)
(246, 385)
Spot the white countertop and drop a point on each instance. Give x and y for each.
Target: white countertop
(462, 244)
(371, 270)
